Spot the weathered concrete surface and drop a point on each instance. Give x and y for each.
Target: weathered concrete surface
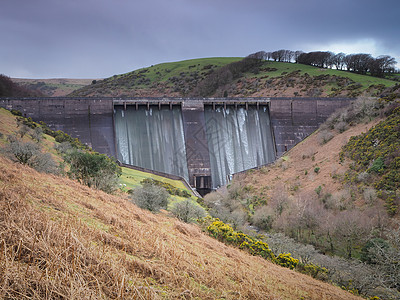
(90, 120)
(293, 119)
(198, 156)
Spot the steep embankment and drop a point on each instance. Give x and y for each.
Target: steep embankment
(60, 239)
(221, 77)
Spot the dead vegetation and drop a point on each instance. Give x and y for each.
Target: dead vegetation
(62, 240)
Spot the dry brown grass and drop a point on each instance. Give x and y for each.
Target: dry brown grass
(306, 156)
(62, 240)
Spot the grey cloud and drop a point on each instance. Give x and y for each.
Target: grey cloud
(99, 38)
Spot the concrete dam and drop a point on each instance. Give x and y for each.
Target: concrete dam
(204, 141)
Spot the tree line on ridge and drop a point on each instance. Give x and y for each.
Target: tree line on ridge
(361, 63)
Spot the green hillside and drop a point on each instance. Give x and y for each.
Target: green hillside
(266, 79)
(165, 78)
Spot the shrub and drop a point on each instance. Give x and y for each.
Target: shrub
(286, 260)
(312, 270)
(318, 190)
(225, 233)
(16, 112)
(93, 169)
(324, 136)
(377, 166)
(37, 134)
(371, 248)
(23, 130)
(187, 211)
(63, 148)
(316, 170)
(28, 153)
(20, 151)
(44, 163)
(341, 126)
(61, 136)
(263, 218)
(150, 197)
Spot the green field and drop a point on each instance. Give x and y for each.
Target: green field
(282, 67)
(132, 179)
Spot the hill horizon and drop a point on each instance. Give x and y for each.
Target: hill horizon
(182, 78)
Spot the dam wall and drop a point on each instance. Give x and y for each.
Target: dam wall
(293, 119)
(208, 140)
(89, 120)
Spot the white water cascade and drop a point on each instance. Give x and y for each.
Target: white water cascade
(152, 139)
(238, 139)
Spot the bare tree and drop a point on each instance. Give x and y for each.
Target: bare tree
(258, 55)
(351, 229)
(296, 55)
(338, 60)
(381, 65)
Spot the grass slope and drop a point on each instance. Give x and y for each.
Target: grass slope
(270, 79)
(158, 80)
(60, 239)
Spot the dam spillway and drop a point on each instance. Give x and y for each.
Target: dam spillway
(94, 120)
(151, 138)
(203, 142)
(238, 139)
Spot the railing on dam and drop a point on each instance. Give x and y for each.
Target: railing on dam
(190, 102)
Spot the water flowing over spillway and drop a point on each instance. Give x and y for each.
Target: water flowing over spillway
(152, 139)
(211, 142)
(238, 139)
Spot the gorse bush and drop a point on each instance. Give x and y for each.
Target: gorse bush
(377, 153)
(61, 137)
(286, 260)
(225, 233)
(150, 197)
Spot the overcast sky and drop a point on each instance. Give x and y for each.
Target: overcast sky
(100, 38)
